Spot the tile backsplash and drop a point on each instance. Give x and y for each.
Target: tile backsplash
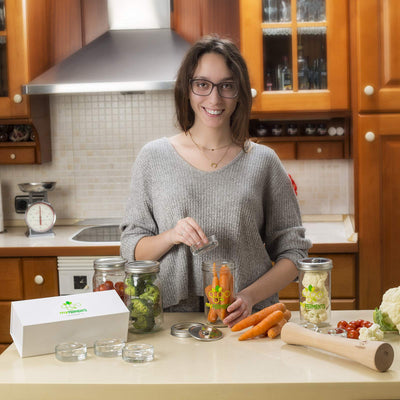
(96, 137)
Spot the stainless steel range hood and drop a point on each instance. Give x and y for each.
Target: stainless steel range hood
(121, 60)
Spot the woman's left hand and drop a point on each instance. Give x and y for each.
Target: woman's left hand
(238, 310)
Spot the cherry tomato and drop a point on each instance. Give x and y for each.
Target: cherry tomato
(119, 287)
(360, 322)
(352, 325)
(342, 324)
(109, 285)
(367, 324)
(352, 334)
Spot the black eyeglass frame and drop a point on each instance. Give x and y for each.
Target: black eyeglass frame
(217, 85)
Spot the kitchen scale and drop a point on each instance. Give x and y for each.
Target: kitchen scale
(40, 216)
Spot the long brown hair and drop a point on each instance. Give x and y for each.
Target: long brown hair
(235, 63)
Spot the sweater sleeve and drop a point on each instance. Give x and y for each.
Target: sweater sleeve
(284, 233)
(138, 220)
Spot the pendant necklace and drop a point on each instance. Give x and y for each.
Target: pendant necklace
(213, 164)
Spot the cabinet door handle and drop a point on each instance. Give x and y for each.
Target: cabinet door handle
(369, 90)
(253, 93)
(17, 98)
(319, 150)
(13, 156)
(370, 136)
(38, 279)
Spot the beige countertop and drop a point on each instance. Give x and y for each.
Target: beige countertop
(187, 369)
(333, 234)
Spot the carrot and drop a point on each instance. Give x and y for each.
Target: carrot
(224, 282)
(287, 315)
(275, 330)
(212, 314)
(215, 284)
(257, 317)
(263, 326)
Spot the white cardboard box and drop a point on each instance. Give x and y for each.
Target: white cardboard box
(37, 325)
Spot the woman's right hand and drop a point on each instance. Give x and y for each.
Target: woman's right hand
(188, 231)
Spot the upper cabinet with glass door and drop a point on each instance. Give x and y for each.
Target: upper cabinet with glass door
(297, 54)
(13, 63)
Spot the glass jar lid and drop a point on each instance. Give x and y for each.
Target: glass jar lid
(144, 266)
(109, 263)
(314, 264)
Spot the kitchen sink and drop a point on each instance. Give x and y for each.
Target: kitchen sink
(101, 233)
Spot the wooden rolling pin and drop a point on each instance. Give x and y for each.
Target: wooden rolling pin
(373, 354)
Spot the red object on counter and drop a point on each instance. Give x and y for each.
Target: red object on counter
(293, 184)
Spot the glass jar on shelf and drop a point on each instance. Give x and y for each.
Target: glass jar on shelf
(270, 10)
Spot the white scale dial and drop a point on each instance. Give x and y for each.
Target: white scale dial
(40, 217)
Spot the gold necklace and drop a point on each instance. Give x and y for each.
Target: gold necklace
(213, 164)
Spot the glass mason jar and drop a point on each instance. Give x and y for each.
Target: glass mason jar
(143, 296)
(219, 289)
(109, 273)
(315, 290)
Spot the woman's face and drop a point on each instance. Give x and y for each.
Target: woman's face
(212, 111)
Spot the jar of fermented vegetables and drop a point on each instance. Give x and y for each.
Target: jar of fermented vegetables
(143, 296)
(219, 289)
(109, 273)
(315, 290)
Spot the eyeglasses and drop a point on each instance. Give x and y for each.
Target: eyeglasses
(204, 87)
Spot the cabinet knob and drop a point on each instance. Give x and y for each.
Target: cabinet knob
(319, 150)
(370, 136)
(13, 156)
(253, 93)
(17, 98)
(38, 279)
(369, 90)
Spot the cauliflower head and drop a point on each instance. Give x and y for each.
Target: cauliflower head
(388, 314)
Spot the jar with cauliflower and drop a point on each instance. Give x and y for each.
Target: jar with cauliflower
(315, 290)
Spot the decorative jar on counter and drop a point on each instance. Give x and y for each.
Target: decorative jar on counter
(109, 273)
(143, 296)
(219, 289)
(315, 290)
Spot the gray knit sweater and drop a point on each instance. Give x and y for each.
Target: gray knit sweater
(248, 204)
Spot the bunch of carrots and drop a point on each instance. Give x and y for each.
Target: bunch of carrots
(222, 284)
(267, 322)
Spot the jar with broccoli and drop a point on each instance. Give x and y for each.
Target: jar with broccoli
(315, 290)
(143, 296)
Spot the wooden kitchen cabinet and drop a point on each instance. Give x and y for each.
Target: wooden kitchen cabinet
(34, 36)
(24, 278)
(375, 72)
(378, 203)
(343, 284)
(321, 41)
(377, 67)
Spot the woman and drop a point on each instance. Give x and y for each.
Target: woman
(209, 179)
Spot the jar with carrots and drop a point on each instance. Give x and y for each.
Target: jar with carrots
(219, 289)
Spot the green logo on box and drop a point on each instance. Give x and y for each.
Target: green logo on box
(72, 308)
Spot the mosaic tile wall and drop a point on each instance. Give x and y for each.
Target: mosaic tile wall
(96, 137)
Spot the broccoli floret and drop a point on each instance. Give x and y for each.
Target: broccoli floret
(144, 323)
(140, 307)
(151, 293)
(131, 290)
